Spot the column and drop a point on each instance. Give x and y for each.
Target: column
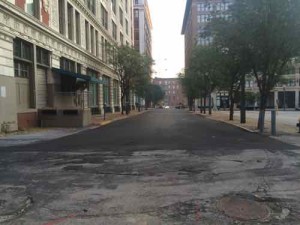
(296, 98)
(100, 97)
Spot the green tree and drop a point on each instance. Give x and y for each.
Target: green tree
(154, 94)
(205, 71)
(132, 69)
(190, 88)
(266, 35)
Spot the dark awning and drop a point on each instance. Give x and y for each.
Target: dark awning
(77, 75)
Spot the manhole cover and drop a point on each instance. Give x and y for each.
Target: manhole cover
(244, 209)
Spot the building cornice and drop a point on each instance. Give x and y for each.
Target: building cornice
(17, 23)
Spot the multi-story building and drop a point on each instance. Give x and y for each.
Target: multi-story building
(197, 14)
(142, 27)
(172, 87)
(55, 61)
(142, 33)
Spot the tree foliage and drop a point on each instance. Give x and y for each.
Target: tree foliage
(264, 36)
(133, 70)
(154, 94)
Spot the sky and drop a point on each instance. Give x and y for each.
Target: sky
(167, 41)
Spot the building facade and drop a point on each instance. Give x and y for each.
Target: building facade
(55, 59)
(142, 27)
(172, 87)
(197, 14)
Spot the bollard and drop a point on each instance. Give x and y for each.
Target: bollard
(298, 125)
(273, 122)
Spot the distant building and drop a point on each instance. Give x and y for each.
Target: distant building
(172, 87)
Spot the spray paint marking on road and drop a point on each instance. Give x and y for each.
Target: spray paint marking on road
(198, 213)
(58, 221)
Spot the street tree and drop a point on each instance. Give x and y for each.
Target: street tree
(153, 94)
(132, 69)
(266, 34)
(204, 68)
(190, 88)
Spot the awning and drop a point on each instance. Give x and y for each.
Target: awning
(77, 75)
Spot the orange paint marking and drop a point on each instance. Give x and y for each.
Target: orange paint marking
(58, 221)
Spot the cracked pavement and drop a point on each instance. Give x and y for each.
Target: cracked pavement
(164, 167)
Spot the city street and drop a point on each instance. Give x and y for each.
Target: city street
(163, 167)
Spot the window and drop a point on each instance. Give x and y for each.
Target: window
(114, 30)
(61, 12)
(67, 64)
(93, 89)
(23, 49)
(97, 43)
(102, 48)
(68, 83)
(91, 5)
(77, 27)
(104, 17)
(127, 27)
(22, 69)
(78, 68)
(32, 7)
(136, 13)
(70, 22)
(42, 56)
(92, 40)
(121, 16)
(126, 5)
(87, 36)
(116, 92)
(136, 1)
(121, 38)
(106, 83)
(114, 6)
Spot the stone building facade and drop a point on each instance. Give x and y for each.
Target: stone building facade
(55, 60)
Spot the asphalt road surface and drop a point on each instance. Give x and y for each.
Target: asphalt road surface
(164, 167)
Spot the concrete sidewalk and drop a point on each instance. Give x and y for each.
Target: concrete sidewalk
(44, 134)
(286, 123)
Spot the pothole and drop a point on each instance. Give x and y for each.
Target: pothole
(246, 209)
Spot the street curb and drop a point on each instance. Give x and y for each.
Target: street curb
(223, 121)
(80, 130)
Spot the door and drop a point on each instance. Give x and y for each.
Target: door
(41, 88)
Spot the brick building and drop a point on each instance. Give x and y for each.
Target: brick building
(172, 87)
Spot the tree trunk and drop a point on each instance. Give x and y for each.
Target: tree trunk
(127, 104)
(262, 112)
(209, 104)
(201, 105)
(243, 102)
(204, 106)
(231, 108)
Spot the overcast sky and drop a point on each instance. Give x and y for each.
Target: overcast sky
(167, 41)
